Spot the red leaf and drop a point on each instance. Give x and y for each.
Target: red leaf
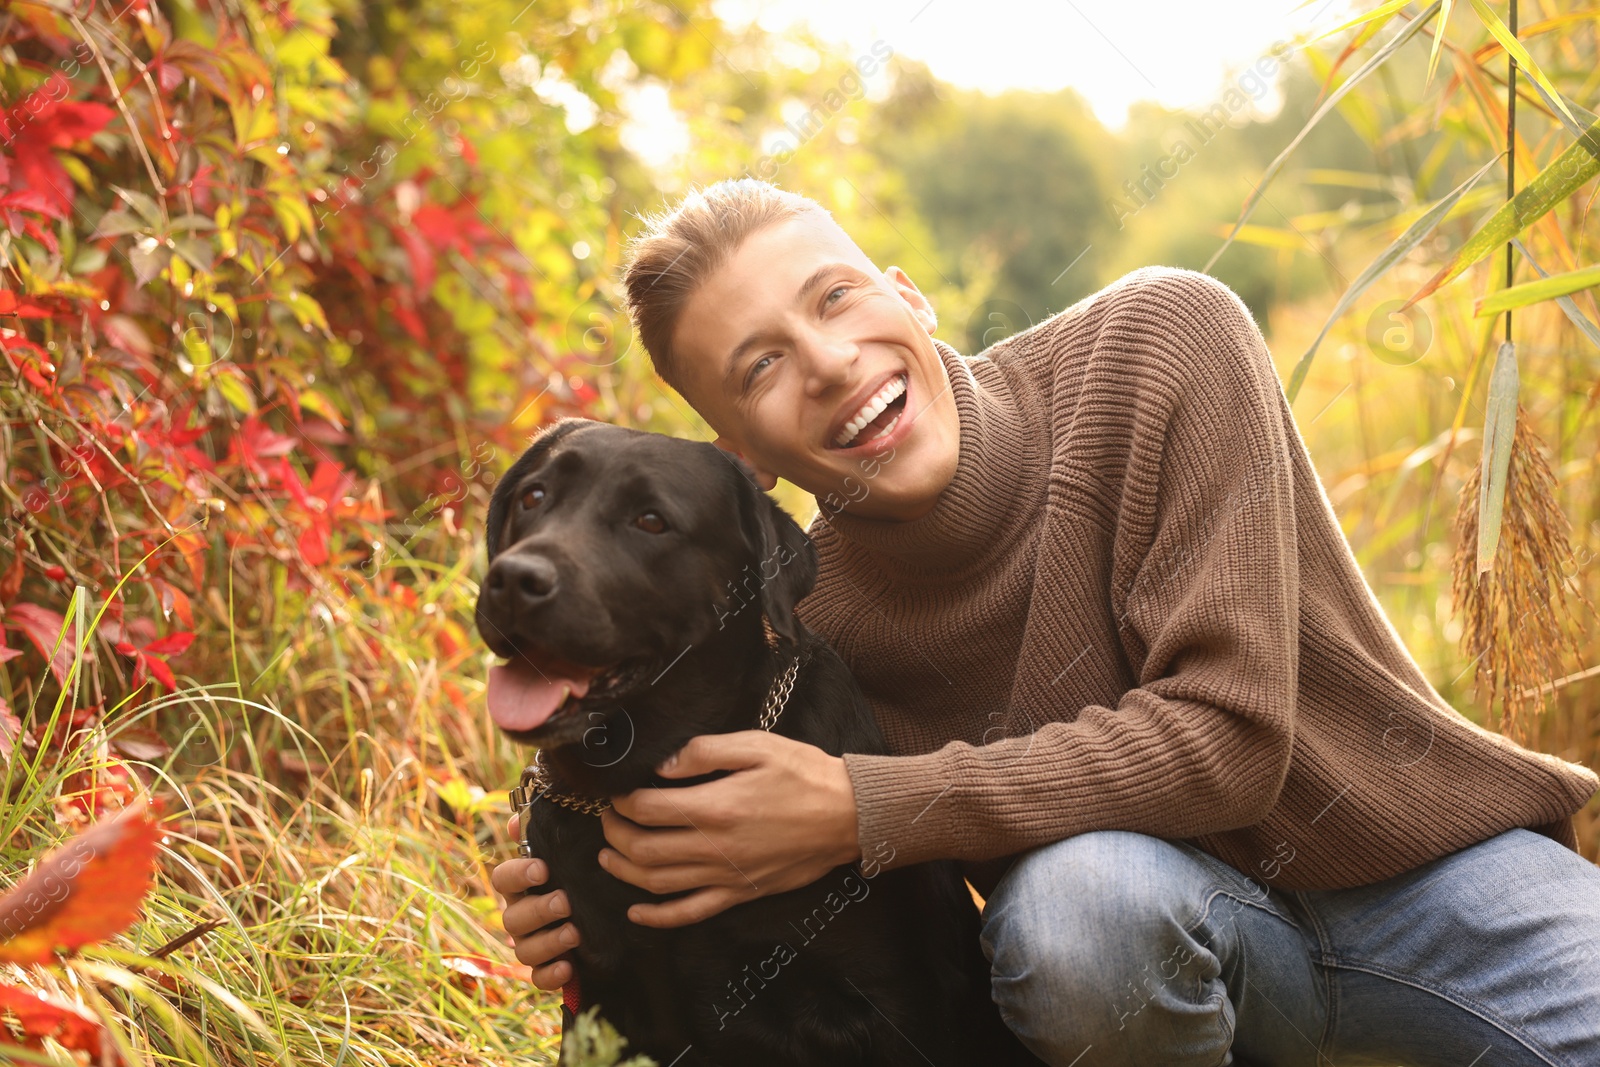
(42, 626)
(256, 441)
(11, 581)
(421, 256)
(170, 645)
(410, 321)
(87, 890)
(11, 304)
(10, 729)
(314, 546)
(437, 224)
(101, 789)
(159, 668)
(55, 572)
(176, 600)
(40, 1015)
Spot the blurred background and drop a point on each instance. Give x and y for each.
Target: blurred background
(285, 286)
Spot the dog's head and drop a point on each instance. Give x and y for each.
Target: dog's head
(612, 552)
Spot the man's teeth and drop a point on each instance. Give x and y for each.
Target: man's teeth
(892, 390)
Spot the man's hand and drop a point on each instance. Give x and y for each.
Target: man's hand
(783, 818)
(528, 917)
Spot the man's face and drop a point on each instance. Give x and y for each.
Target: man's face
(795, 344)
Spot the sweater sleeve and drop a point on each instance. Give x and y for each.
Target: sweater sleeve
(1205, 597)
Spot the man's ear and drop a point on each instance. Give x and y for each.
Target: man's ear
(785, 558)
(908, 291)
(766, 479)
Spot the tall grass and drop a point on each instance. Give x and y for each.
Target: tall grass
(330, 836)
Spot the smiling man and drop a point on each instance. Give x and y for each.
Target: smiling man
(1129, 669)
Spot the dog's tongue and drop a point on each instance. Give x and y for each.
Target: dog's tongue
(522, 695)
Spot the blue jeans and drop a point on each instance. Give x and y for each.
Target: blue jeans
(1115, 948)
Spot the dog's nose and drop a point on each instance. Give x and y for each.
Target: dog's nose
(521, 581)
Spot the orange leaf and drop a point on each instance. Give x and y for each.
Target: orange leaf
(87, 890)
(40, 1016)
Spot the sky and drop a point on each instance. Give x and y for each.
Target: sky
(1177, 52)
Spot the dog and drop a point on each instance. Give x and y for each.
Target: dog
(642, 589)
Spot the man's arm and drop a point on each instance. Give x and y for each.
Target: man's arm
(1208, 620)
(1208, 617)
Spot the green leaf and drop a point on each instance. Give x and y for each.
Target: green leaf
(1562, 178)
(147, 208)
(1383, 11)
(1509, 42)
(306, 310)
(1378, 59)
(192, 222)
(1414, 235)
(1499, 427)
(1547, 288)
(196, 251)
(1438, 40)
(236, 393)
(318, 404)
(149, 258)
(1567, 111)
(1584, 324)
(198, 352)
(118, 224)
(88, 260)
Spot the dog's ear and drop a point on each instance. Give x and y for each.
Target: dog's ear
(500, 501)
(784, 557)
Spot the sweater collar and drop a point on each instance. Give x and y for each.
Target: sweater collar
(1000, 479)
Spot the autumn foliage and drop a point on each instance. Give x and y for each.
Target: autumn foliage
(282, 287)
(84, 892)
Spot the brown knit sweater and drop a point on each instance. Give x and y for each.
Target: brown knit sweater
(1134, 608)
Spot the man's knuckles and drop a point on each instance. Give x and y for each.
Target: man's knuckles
(516, 875)
(539, 950)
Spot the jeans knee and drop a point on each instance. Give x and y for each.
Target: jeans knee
(1089, 944)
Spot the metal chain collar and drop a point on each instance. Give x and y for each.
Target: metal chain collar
(535, 784)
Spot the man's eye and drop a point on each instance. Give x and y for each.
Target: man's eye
(755, 368)
(532, 497)
(836, 291)
(651, 522)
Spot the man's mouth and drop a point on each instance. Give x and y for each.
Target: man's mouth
(532, 687)
(877, 416)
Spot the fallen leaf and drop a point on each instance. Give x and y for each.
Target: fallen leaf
(141, 744)
(85, 891)
(40, 1015)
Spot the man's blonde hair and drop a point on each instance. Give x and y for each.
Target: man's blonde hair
(679, 249)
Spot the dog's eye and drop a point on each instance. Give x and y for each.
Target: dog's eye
(651, 522)
(533, 497)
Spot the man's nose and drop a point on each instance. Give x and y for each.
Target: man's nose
(829, 361)
(519, 581)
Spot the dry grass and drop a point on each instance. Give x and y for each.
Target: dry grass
(1520, 629)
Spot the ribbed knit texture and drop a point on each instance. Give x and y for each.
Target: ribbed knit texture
(1133, 608)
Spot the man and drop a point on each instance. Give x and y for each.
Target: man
(1130, 671)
